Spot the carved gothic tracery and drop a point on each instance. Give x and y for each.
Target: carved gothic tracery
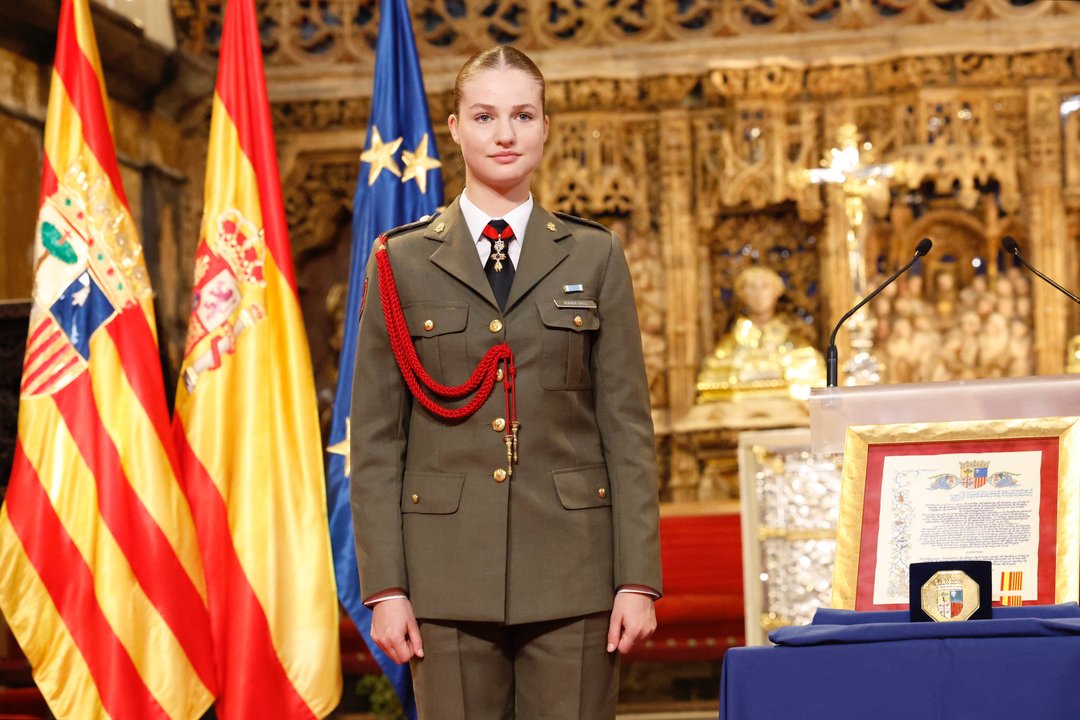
(702, 170)
(333, 31)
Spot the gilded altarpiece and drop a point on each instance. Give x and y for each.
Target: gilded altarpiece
(675, 124)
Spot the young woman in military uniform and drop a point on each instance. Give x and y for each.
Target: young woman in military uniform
(504, 485)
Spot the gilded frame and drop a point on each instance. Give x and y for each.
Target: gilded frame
(861, 440)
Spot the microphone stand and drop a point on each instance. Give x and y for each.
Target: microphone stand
(1010, 246)
(830, 353)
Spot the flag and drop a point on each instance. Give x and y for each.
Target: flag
(1012, 580)
(246, 420)
(399, 182)
(100, 575)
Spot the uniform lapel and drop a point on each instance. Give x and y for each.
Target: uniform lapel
(540, 253)
(457, 254)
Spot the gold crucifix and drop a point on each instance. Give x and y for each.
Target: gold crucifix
(860, 183)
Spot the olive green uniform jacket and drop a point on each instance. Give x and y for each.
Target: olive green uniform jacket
(578, 516)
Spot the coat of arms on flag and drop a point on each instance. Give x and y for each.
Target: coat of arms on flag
(79, 286)
(227, 294)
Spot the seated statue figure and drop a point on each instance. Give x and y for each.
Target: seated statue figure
(764, 354)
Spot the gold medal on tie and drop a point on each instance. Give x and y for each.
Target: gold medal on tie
(498, 256)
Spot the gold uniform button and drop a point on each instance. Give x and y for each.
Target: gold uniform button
(602, 492)
(578, 322)
(498, 424)
(415, 499)
(495, 325)
(429, 325)
(499, 374)
(499, 475)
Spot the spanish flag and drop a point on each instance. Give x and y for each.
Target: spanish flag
(246, 420)
(100, 575)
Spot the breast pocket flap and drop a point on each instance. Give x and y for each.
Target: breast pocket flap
(569, 318)
(583, 487)
(431, 493)
(434, 319)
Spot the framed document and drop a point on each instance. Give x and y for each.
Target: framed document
(1007, 491)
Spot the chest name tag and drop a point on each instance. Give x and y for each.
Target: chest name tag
(575, 303)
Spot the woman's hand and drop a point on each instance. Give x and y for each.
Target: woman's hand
(394, 630)
(633, 620)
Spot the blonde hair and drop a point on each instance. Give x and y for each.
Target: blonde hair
(496, 58)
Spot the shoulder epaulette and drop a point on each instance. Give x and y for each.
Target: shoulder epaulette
(422, 222)
(580, 221)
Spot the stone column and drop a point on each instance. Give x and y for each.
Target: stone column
(681, 255)
(1046, 245)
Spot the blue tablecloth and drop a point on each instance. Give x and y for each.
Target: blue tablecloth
(1025, 663)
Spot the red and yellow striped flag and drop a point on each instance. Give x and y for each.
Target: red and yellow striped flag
(100, 574)
(246, 420)
(1012, 580)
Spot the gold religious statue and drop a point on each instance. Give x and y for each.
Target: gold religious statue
(764, 354)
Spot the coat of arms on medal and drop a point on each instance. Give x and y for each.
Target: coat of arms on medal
(949, 596)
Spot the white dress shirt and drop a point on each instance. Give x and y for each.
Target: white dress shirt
(477, 220)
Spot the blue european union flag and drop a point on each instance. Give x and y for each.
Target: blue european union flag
(400, 181)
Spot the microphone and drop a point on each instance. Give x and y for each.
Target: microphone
(830, 353)
(1009, 245)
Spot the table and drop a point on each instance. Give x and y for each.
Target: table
(1023, 664)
